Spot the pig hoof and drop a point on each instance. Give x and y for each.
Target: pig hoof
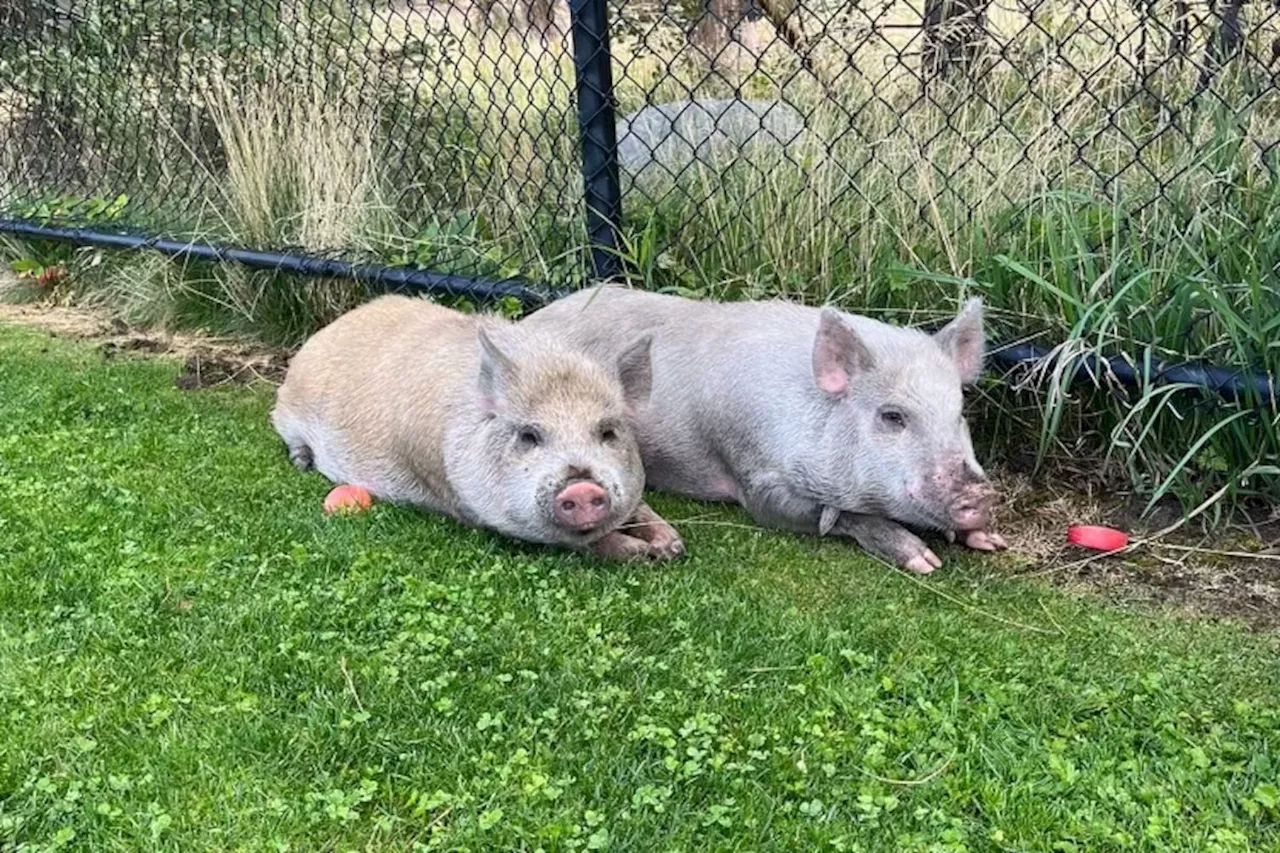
(301, 457)
(923, 564)
(889, 541)
(982, 540)
(666, 547)
(620, 546)
(663, 541)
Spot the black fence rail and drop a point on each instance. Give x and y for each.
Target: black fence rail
(760, 144)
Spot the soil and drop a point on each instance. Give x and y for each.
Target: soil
(207, 361)
(1172, 563)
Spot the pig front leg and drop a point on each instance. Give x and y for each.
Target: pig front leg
(647, 526)
(646, 535)
(772, 502)
(888, 540)
(620, 546)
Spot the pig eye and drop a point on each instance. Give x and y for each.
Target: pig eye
(894, 418)
(608, 433)
(529, 438)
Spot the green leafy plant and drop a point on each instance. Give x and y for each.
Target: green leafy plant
(52, 264)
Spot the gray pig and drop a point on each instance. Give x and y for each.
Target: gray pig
(813, 419)
(495, 425)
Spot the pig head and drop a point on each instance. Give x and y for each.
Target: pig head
(893, 437)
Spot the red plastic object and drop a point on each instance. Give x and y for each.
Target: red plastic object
(347, 499)
(1097, 538)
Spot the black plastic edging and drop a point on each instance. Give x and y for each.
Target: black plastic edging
(396, 278)
(1235, 385)
(1232, 384)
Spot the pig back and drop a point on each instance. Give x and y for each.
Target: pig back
(380, 382)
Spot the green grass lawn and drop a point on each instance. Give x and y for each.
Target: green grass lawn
(192, 657)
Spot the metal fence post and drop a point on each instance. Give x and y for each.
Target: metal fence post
(594, 78)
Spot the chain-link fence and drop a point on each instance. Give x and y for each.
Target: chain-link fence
(758, 143)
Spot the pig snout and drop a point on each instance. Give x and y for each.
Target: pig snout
(967, 494)
(972, 509)
(971, 506)
(581, 506)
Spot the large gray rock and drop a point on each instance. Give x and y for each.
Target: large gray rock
(664, 139)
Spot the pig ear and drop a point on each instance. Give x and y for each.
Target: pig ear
(963, 339)
(497, 372)
(635, 370)
(838, 354)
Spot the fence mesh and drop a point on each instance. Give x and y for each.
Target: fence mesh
(759, 142)
(406, 133)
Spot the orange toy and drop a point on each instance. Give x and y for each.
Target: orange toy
(347, 499)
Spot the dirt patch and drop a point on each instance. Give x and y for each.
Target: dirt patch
(114, 347)
(207, 370)
(1232, 572)
(208, 361)
(62, 321)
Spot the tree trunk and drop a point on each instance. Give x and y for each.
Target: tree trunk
(1230, 33)
(1224, 44)
(955, 36)
(718, 21)
(789, 27)
(547, 18)
(1180, 36)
